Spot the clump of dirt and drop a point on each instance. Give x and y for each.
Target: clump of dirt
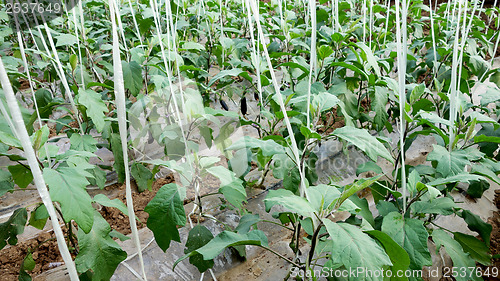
(330, 121)
(45, 253)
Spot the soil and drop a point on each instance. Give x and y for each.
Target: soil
(330, 122)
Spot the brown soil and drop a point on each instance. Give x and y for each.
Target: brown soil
(45, 253)
(331, 122)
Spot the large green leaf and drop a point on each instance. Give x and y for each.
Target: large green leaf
(411, 235)
(399, 258)
(288, 200)
(198, 237)
(132, 77)
(358, 185)
(13, 227)
(461, 260)
(355, 249)
(364, 141)
(83, 143)
(6, 183)
(115, 203)
(231, 186)
(268, 147)
(142, 176)
(379, 102)
(21, 175)
(441, 206)
(166, 212)
(95, 107)
(116, 147)
(448, 164)
(475, 223)
(98, 251)
(67, 186)
(224, 240)
(476, 248)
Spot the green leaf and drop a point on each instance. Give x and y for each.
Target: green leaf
(99, 177)
(66, 40)
(246, 222)
(231, 186)
(224, 240)
(40, 137)
(240, 163)
(39, 216)
(142, 176)
(67, 186)
(355, 249)
(116, 234)
(367, 167)
(268, 147)
(166, 212)
(98, 251)
(6, 183)
(322, 196)
(21, 175)
(379, 102)
(83, 143)
(364, 141)
(448, 164)
(370, 58)
(115, 203)
(13, 227)
(411, 235)
(198, 237)
(28, 263)
(399, 258)
(132, 77)
(443, 206)
(324, 101)
(324, 51)
(475, 223)
(118, 165)
(288, 200)
(358, 185)
(477, 249)
(461, 177)
(95, 106)
(458, 256)
(228, 72)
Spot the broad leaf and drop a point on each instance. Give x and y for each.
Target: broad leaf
(198, 237)
(83, 143)
(458, 256)
(166, 212)
(13, 227)
(98, 251)
(142, 176)
(448, 164)
(364, 141)
(67, 186)
(442, 206)
(355, 249)
(115, 203)
(21, 175)
(399, 258)
(39, 216)
(475, 223)
(95, 107)
(477, 249)
(224, 240)
(411, 235)
(132, 77)
(288, 200)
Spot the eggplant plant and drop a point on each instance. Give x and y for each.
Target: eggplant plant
(183, 76)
